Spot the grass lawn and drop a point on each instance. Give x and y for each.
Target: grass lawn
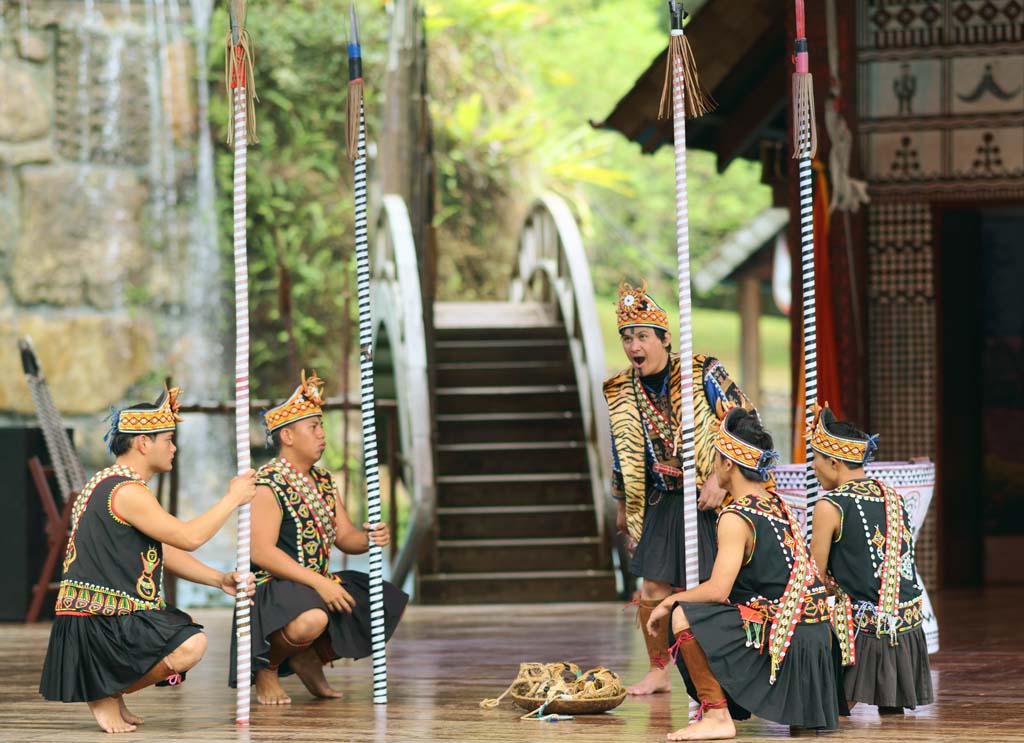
(716, 333)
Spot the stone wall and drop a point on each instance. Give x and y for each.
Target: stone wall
(97, 188)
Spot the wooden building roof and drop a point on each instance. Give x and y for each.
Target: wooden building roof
(740, 50)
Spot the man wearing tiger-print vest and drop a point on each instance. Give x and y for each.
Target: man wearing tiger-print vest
(644, 404)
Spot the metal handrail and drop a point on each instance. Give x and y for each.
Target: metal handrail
(552, 267)
(397, 309)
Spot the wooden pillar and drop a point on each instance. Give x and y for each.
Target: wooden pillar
(748, 296)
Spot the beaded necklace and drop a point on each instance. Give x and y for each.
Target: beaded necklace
(801, 578)
(889, 588)
(656, 421)
(315, 502)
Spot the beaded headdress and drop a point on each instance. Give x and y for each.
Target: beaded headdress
(305, 402)
(636, 309)
(746, 455)
(138, 421)
(853, 450)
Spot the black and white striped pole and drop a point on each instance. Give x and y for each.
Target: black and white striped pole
(356, 131)
(805, 146)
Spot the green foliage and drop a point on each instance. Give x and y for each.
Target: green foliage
(299, 181)
(514, 87)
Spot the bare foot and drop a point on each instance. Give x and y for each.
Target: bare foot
(657, 681)
(310, 670)
(713, 727)
(108, 714)
(269, 689)
(126, 714)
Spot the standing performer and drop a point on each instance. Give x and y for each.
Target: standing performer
(114, 634)
(304, 616)
(763, 591)
(644, 411)
(864, 545)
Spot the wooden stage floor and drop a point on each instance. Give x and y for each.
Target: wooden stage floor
(443, 661)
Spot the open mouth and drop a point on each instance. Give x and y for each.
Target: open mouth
(639, 361)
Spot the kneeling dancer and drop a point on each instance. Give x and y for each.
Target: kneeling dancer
(304, 616)
(114, 634)
(755, 638)
(862, 537)
(644, 411)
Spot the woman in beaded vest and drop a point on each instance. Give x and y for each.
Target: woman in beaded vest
(755, 638)
(304, 616)
(113, 633)
(644, 409)
(862, 540)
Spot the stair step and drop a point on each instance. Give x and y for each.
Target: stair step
(511, 399)
(493, 522)
(549, 331)
(455, 428)
(493, 316)
(512, 457)
(528, 587)
(458, 351)
(495, 373)
(545, 489)
(490, 555)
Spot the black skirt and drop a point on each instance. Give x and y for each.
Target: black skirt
(94, 657)
(891, 675)
(806, 692)
(660, 555)
(277, 602)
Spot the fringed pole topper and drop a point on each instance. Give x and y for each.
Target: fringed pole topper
(356, 136)
(680, 70)
(805, 144)
(239, 79)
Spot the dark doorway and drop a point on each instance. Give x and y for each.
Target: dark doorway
(980, 287)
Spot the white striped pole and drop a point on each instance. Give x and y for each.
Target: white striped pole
(678, 63)
(687, 455)
(804, 150)
(243, 660)
(370, 463)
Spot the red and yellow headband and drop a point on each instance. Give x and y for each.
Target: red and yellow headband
(854, 451)
(305, 402)
(164, 418)
(745, 455)
(636, 309)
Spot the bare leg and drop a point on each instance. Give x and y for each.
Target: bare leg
(310, 670)
(657, 680)
(715, 722)
(126, 714)
(107, 712)
(269, 689)
(289, 642)
(181, 659)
